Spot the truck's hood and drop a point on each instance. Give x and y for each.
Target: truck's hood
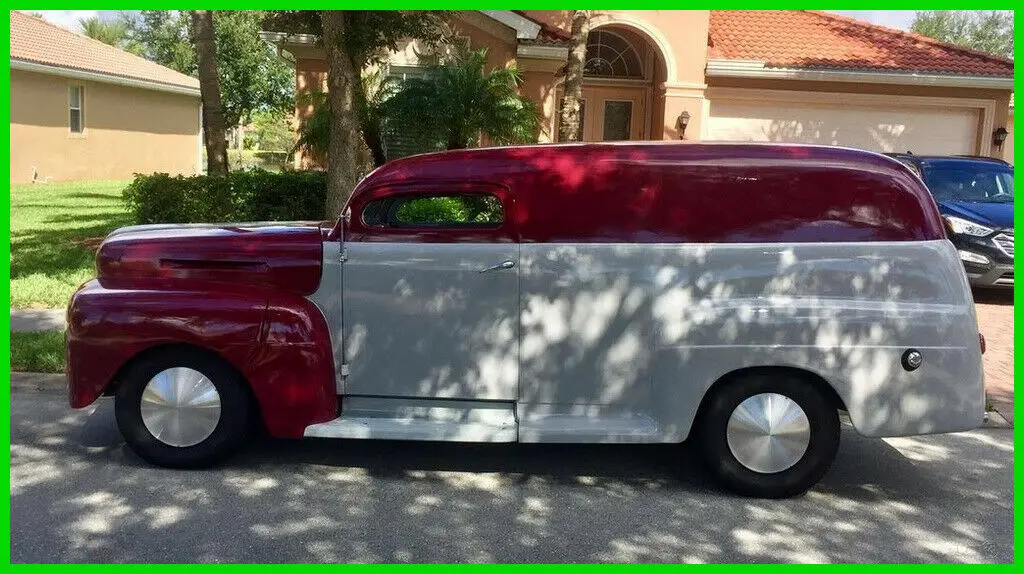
(274, 256)
(996, 215)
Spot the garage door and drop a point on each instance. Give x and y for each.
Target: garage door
(921, 130)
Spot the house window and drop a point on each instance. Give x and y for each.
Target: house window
(76, 121)
(397, 141)
(611, 56)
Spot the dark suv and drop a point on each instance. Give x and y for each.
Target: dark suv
(975, 198)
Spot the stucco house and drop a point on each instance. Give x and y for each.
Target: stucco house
(781, 76)
(82, 110)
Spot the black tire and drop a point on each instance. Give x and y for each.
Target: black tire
(227, 436)
(712, 442)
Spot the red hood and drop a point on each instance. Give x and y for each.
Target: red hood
(279, 257)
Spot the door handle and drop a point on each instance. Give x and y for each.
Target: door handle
(506, 264)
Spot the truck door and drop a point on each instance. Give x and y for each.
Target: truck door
(431, 294)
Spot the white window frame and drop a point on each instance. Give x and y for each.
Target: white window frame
(80, 108)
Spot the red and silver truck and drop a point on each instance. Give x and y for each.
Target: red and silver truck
(738, 296)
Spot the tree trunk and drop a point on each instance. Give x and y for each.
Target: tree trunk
(209, 87)
(346, 139)
(570, 120)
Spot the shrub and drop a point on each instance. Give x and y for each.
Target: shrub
(252, 195)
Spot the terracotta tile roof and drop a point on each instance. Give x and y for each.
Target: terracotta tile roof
(35, 40)
(817, 40)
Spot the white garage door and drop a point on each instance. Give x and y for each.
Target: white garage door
(919, 129)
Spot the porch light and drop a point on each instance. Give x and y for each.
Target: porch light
(999, 136)
(682, 122)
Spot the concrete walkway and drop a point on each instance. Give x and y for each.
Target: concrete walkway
(32, 320)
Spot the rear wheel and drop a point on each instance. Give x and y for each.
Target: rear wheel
(182, 408)
(769, 435)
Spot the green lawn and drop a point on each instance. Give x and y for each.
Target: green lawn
(55, 228)
(37, 352)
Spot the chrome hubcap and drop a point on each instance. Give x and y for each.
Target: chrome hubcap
(180, 407)
(768, 433)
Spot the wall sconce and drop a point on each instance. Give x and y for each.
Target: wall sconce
(999, 136)
(682, 122)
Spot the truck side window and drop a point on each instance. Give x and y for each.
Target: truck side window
(463, 210)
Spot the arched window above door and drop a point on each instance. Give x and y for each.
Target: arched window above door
(609, 55)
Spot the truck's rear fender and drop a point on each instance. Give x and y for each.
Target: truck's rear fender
(843, 314)
(279, 343)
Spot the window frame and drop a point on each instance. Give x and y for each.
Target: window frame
(393, 203)
(80, 109)
(596, 42)
(506, 231)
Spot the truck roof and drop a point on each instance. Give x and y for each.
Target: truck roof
(567, 157)
(672, 192)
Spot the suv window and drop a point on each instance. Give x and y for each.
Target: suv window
(977, 183)
(461, 210)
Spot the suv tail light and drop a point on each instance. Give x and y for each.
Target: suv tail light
(981, 341)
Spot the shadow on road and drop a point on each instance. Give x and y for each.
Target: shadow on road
(78, 494)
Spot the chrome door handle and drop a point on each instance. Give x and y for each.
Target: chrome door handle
(506, 264)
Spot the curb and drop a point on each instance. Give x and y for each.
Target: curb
(994, 420)
(39, 382)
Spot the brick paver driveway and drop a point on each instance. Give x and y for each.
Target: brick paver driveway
(995, 321)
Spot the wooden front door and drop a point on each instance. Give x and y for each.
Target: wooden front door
(613, 113)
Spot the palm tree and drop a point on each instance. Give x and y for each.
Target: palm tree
(315, 131)
(458, 101)
(569, 120)
(113, 33)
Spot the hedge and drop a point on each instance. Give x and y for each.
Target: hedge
(252, 195)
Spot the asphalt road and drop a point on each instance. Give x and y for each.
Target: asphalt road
(79, 495)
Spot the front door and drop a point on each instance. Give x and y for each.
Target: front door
(613, 113)
(431, 297)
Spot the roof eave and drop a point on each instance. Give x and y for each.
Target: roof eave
(757, 69)
(29, 66)
(525, 28)
(542, 52)
(284, 39)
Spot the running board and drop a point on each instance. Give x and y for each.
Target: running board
(420, 419)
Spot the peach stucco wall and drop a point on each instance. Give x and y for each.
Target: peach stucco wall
(127, 131)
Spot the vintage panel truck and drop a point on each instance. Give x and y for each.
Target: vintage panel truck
(737, 295)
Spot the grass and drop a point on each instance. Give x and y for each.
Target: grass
(37, 352)
(55, 228)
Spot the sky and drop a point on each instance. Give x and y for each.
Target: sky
(892, 18)
(69, 18)
(899, 19)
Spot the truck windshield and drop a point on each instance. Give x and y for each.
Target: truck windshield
(979, 184)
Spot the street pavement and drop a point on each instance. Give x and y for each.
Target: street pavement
(79, 495)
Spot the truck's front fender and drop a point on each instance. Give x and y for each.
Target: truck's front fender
(279, 343)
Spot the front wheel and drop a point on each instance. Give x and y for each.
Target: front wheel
(768, 435)
(182, 408)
